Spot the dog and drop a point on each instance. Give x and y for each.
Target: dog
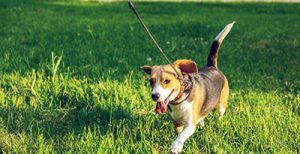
(192, 94)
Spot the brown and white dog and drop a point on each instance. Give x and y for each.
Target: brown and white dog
(189, 99)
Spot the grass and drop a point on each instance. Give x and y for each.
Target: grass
(70, 78)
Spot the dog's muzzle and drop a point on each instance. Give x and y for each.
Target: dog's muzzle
(161, 107)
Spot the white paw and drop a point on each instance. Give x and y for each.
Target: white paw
(176, 147)
(201, 123)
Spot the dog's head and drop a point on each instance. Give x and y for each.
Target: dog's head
(165, 83)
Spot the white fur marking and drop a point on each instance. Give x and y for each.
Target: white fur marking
(201, 122)
(183, 114)
(221, 110)
(158, 89)
(182, 137)
(220, 37)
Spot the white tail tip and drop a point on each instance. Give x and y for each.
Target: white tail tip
(224, 32)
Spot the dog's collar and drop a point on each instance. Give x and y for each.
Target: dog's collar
(182, 89)
(185, 87)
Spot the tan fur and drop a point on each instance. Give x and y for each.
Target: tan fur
(223, 98)
(188, 114)
(178, 127)
(173, 82)
(158, 74)
(195, 106)
(200, 97)
(187, 66)
(198, 102)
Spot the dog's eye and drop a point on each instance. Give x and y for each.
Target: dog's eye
(167, 81)
(151, 81)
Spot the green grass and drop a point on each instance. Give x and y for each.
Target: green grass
(70, 78)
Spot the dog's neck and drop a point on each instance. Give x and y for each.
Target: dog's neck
(185, 90)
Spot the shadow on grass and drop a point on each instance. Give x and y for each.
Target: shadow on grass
(57, 122)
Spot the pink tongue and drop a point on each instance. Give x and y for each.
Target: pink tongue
(160, 107)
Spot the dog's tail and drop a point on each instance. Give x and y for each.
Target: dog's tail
(214, 49)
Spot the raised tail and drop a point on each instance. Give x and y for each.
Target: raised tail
(214, 49)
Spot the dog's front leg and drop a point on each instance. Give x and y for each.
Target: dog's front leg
(182, 137)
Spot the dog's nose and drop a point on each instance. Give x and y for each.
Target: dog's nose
(155, 96)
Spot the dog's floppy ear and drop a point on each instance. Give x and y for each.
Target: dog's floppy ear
(147, 69)
(187, 66)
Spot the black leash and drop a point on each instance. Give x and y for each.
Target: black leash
(152, 38)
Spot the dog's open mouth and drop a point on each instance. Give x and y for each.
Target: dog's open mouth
(161, 107)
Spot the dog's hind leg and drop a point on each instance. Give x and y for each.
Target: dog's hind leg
(222, 104)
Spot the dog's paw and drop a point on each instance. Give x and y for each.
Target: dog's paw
(201, 123)
(176, 147)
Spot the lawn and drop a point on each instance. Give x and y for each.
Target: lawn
(70, 78)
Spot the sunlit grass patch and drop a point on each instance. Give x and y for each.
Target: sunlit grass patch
(70, 78)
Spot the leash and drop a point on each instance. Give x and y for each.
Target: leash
(179, 76)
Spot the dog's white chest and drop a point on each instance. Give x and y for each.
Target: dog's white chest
(182, 113)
